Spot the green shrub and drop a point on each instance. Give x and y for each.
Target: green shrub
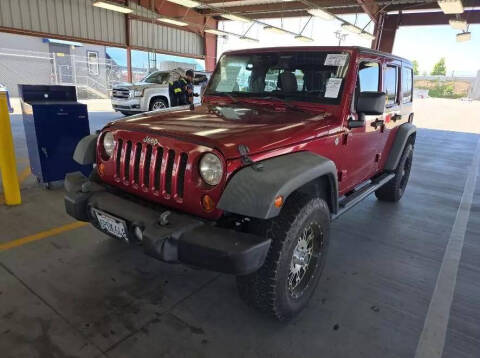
(444, 91)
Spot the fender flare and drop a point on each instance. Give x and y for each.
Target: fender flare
(86, 150)
(403, 133)
(252, 192)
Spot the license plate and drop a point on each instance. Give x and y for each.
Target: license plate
(112, 225)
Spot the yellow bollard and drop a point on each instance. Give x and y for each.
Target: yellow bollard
(8, 168)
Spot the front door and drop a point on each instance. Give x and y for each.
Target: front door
(361, 157)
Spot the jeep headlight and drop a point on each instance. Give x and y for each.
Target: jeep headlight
(138, 93)
(211, 169)
(108, 144)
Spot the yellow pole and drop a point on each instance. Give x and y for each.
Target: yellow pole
(8, 168)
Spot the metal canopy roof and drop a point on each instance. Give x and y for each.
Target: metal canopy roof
(259, 9)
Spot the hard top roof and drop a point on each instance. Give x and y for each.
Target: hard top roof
(359, 49)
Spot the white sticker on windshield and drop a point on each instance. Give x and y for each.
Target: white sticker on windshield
(333, 87)
(336, 59)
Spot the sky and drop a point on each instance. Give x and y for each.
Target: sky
(426, 44)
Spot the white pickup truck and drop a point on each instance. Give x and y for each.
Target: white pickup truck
(151, 93)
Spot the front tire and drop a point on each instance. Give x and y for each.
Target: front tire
(157, 104)
(394, 189)
(284, 284)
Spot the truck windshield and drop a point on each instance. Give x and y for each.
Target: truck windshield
(157, 77)
(304, 76)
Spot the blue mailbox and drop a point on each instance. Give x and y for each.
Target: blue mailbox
(54, 123)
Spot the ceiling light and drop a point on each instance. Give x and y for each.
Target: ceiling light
(186, 3)
(216, 32)
(464, 36)
(248, 39)
(112, 6)
(172, 21)
(367, 36)
(351, 28)
(451, 6)
(458, 24)
(303, 38)
(236, 18)
(276, 30)
(321, 13)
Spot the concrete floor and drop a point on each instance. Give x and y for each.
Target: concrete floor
(82, 294)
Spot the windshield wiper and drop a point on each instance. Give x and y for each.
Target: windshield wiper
(283, 101)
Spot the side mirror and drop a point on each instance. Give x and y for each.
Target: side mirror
(371, 103)
(352, 123)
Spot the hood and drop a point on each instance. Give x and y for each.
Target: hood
(225, 127)
(138, 85)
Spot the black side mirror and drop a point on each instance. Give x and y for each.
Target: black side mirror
(360, 122)
(371, 103)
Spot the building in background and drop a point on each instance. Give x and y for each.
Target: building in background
(93, 69)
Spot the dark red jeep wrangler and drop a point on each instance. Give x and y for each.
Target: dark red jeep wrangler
(286, 140)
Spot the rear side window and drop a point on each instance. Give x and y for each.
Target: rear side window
(407, 84)
(369, 76)
(390, 84)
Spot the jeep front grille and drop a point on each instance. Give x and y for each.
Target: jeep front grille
(151, 168)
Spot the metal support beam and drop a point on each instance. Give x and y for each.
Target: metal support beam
(432, 18)
(129, 49)
(370, 7)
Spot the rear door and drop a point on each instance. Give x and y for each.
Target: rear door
(397, 85)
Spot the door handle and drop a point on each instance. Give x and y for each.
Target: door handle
(396, 117)
(377, 122)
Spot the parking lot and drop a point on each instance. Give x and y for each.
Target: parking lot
(68, 290)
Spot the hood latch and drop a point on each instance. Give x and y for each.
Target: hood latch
(246, 160)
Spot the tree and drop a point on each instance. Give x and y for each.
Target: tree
(439, 69)
(416, 71)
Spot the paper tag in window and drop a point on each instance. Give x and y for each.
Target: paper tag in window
(229, 79)
(333, 87)
(336, 59)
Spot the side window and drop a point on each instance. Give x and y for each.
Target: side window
(390, 84)
(368, 77)
(407, 84)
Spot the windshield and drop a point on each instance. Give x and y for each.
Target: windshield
(157, 77)
(304, 76)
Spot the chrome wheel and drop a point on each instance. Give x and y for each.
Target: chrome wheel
(305, 258)
(158, 105)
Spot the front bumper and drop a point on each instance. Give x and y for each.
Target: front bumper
(130, 105)
(179, 238)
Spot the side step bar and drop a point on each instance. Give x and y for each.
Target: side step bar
(353, 199)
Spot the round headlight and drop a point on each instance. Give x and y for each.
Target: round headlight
(108, 143)
(211, 169)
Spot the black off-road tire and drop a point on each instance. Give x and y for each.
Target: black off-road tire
(394, 189)
(268, 289)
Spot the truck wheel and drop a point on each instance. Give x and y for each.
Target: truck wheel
(394, 189)
(158, 103)
(286, 281)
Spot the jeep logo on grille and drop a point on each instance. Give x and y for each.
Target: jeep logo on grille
(150, 140)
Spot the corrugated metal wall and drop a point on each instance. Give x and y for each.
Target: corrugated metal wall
(79, 19)
(148, 35)
(74, 18)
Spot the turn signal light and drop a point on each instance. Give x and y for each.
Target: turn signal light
(278, 201)
(101, 169)
(207, 203)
